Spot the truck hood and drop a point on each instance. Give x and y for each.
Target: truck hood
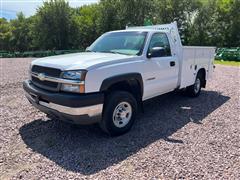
(85, 60)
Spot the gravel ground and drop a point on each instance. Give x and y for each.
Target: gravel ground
(177, 137)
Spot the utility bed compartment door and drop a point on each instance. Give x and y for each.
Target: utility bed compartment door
(193, 59)
(187, 69)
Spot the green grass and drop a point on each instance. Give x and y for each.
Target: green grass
(228, 63)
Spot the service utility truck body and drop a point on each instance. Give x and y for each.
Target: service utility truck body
(108, 83)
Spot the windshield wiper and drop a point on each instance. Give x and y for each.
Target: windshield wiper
(107, 52)
(113, 52)
(89, 51)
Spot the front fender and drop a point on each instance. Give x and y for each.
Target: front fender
(129, 77)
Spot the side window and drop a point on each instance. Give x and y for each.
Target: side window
(160, 40)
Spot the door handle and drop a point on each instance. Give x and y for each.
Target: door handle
(172, 63)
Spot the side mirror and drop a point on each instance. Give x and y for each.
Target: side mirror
(156, 52)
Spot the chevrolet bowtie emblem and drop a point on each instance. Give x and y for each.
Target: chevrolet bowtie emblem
(41, 76)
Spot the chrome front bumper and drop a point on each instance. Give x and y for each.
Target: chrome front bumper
(90, 110)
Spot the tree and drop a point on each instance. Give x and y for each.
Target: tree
(183, 12)
(204, 28)
(84, 26)
(52, 25)
(229, 20)
(20, 39)
(216, 24)
(108, 16)
(117, 14)
(5, 34)
(136, 12)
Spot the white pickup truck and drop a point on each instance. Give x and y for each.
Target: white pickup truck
(108, 83)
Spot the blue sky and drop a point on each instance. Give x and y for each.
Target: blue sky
(9, 8)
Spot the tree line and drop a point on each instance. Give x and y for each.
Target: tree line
(57, 26)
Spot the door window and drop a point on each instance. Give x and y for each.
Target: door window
(160, 40)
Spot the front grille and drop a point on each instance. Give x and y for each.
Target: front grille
(52, 72)
(47, 71)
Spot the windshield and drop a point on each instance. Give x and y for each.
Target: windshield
(129, 43)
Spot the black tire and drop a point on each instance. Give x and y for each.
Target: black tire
(195, 89)
(113, 102)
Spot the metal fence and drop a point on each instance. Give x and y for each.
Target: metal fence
(6, 54)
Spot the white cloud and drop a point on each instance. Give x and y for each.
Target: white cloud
(29, 7)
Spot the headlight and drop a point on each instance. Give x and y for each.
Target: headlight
(74, 75)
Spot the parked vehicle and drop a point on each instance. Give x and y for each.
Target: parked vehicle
(121, 69)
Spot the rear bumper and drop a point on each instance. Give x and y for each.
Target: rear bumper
(73, 108)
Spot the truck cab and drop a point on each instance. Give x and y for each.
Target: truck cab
(108, 83)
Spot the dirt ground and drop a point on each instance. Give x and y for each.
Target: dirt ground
(177, 136)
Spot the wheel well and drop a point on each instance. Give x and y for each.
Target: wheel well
(202, 73)
(131, 86)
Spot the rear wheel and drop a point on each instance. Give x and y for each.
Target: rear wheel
(195, 89)
(119, 113)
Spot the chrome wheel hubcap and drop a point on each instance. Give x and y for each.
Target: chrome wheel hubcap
(122, 114)
(197, 85)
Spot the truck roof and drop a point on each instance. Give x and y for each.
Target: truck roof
(140, 30)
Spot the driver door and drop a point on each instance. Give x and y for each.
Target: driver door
(162, 68)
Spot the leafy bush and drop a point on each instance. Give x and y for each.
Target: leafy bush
(5, 54)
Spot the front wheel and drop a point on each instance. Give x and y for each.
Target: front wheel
(119, 113)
